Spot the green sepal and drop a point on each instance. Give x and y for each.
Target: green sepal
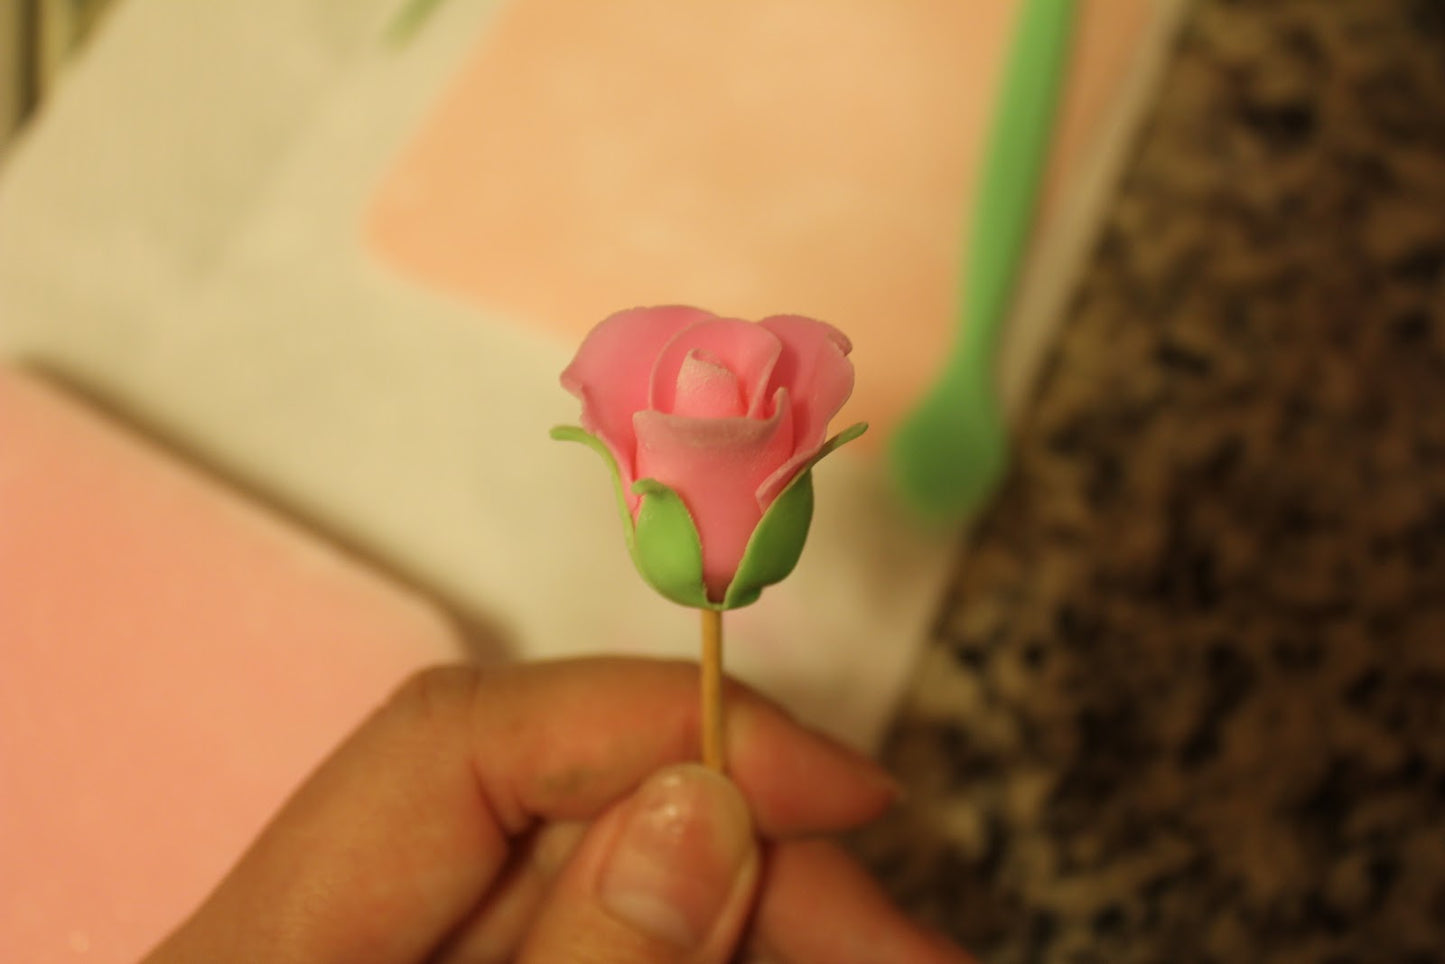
(667, 549)
(776, 544)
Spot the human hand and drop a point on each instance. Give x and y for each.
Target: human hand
(542, 813)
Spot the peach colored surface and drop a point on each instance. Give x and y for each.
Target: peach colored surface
(751, 158)
(172, 662)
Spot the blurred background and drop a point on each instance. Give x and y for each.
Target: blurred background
(37, 37)
(1186, 701)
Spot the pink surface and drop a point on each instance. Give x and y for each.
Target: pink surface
(172, 661)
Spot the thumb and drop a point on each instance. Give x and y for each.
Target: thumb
(667, 875)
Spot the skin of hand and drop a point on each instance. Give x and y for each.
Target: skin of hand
(546, 813)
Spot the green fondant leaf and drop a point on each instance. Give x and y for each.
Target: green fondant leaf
(571, 433)
(667, 549)
(665, 546)
(777, 543)
(842, 438)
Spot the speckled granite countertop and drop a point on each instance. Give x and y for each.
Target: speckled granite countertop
(1187, 701)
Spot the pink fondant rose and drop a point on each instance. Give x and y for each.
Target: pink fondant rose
(712, 425)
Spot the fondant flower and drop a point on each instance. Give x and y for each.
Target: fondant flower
(712, 426)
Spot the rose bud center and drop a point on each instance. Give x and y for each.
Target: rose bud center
(707, 388)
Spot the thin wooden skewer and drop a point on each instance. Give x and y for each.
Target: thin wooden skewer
(712, 703)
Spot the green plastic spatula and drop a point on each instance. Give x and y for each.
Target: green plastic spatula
(950, 453)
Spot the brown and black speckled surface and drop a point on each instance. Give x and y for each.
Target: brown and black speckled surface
(1187, 702)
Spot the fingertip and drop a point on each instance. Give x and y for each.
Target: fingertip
(674, 868)
(665, 876)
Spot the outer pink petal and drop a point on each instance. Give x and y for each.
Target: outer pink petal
(749, 350)
(611, 372)
(814, 366)
(716, 465)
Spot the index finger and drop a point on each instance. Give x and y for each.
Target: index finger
(400, 832)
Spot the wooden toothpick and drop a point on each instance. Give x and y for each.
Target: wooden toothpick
(712, 702)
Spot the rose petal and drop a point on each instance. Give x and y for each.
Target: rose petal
(815, 368)
(707, 389)
(748, 350)
(611, 371)
(716, 465)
